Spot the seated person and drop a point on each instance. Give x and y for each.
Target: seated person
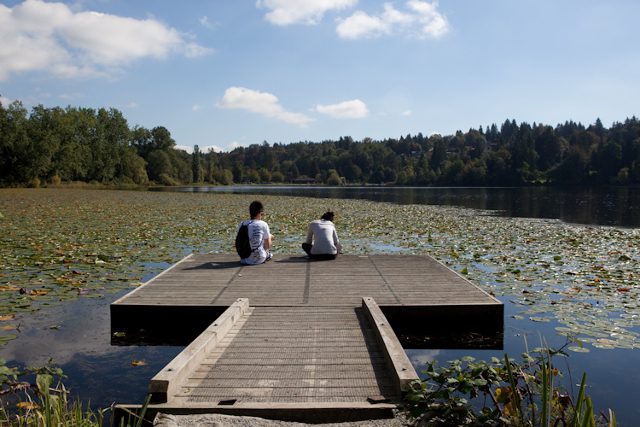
(259, 235)
(322, 240)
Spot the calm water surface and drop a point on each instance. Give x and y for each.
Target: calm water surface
(619, 206)
(103, 373)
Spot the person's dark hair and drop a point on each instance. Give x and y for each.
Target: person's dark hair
(327, 216)
(255, 208)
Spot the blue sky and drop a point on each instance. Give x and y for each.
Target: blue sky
(225, 73)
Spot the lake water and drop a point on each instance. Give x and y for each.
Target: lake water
(106, 374)
(618, 206)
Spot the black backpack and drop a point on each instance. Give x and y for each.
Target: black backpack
(243, 247)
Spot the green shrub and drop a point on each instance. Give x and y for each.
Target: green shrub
(167, 180)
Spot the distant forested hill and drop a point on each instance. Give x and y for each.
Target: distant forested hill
(54, 145)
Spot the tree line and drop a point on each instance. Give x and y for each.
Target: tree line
(54, 145)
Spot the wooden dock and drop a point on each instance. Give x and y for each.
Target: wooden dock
(295, 339)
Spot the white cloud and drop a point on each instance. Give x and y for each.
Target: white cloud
(361, 25)
(5, 101)
(204, 21)
(422, 19)
(49, 36)
(196, 107)
(407, 113)
(234, 145)
(262, 103)
(354, 109)
(194, 50)
(204, 149)
(214, 148)
(310, 12)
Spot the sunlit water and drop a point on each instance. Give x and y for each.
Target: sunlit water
(103, 373)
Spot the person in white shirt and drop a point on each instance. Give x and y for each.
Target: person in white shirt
(322, 239)
(260, 236)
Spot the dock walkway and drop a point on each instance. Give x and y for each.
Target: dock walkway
(297, 339)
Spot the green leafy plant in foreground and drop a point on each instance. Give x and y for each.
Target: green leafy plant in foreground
(41, 404)
(501, 393)
(23, 404)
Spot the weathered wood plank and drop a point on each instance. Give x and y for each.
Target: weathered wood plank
(219, 279)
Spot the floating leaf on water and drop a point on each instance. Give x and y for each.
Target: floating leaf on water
(138, 363)
(5, 317)
(539, 319)
(464, 271)
(577, 349)
(38, 292)
(603, 346)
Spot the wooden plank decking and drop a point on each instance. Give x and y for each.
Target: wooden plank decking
(219, 280)
(299, 339)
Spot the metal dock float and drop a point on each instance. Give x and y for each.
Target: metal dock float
(295, 339)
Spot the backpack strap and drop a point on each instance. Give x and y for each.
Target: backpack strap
(252, 249)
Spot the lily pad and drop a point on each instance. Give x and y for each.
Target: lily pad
(577, 349)
(85, 243)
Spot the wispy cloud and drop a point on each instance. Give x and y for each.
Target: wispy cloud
(234, 145)
(214, 148)
(50, 36)
(202, 149)
(310, 12)
(5, 101)
(204, 21)
(354, 109)
(407, 113)
(420, 19)
(262, 103)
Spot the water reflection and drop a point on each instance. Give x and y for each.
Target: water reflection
(616, 206)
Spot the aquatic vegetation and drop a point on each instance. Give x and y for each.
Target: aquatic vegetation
(42, 403)
(61, 244)
(501, 392)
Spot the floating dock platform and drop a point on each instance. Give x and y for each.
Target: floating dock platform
(295, 339)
